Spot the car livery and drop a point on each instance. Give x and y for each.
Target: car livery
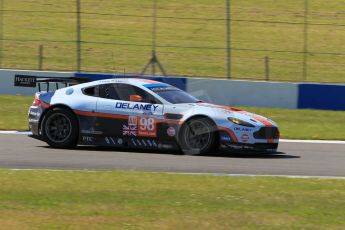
(145, 114)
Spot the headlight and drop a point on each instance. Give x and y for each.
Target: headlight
(240, 122)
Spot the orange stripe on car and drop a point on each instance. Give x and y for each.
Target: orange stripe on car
(264, 121)
(97, 114)
(119, 116)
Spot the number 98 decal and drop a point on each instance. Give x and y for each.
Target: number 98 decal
(147, 127)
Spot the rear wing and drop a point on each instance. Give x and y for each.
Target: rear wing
(34, 81)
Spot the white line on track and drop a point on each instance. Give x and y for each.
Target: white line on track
(312, 141)
(259, 175)
(186, 173)
(8, 132)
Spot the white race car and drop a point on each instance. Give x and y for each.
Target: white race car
(144, 114)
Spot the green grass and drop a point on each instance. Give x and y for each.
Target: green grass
(116, 41)
(294, 124)
(14, 112)
(137, 200)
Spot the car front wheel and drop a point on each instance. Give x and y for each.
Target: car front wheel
(198, 136)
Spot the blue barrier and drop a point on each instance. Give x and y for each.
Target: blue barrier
(321, 96)
(178, 82)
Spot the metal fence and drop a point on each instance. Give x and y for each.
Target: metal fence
(274, 40)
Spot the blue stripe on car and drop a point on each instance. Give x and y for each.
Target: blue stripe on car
(155, 85)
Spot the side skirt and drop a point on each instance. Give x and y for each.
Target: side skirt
(127, 142)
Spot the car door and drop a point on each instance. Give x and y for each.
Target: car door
(130, 112)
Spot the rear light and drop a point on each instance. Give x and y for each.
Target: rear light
(36, 102)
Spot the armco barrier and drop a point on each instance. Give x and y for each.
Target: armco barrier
(225, 92)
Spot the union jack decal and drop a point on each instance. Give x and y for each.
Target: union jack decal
(129, 130)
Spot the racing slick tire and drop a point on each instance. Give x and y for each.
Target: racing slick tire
(60, 128)
(198, 136)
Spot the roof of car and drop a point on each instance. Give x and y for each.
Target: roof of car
(133, 81)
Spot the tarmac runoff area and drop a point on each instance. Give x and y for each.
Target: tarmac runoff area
(299, 158)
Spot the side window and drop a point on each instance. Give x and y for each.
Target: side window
(91, 91)
(108, 91)
(124, 92)
(147, 98)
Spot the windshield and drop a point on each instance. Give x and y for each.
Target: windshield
(173, 95)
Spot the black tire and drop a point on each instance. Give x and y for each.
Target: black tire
(198, 136)
(60, 128)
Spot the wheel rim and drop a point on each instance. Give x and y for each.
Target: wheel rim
(58, 128)
(197, 135)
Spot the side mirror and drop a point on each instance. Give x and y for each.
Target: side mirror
(135, 98)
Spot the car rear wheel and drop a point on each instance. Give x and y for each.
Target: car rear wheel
(60, 128)
(198, 136)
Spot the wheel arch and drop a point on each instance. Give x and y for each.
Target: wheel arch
(53, 107)
(202, 116)
(196, 116)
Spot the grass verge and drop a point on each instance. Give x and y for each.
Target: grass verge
(294, 124)
(14, 112)
(134, 200)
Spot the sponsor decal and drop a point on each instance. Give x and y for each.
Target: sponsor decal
(91, 132)
(35, 114)
(245, 137)
(133, 120)
(24, 81)
(225, 137)
(243, 129)
(171, 131)
(161, 88)
(137, 106)
(87, 139)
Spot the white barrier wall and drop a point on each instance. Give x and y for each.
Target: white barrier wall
(7, 80)
(225, 92)
(245, 93)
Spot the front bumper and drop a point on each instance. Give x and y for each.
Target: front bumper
(264, 141)
(243, 147)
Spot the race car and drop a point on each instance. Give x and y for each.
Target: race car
(144, 114)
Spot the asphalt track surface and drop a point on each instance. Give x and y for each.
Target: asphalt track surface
(299, 159)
